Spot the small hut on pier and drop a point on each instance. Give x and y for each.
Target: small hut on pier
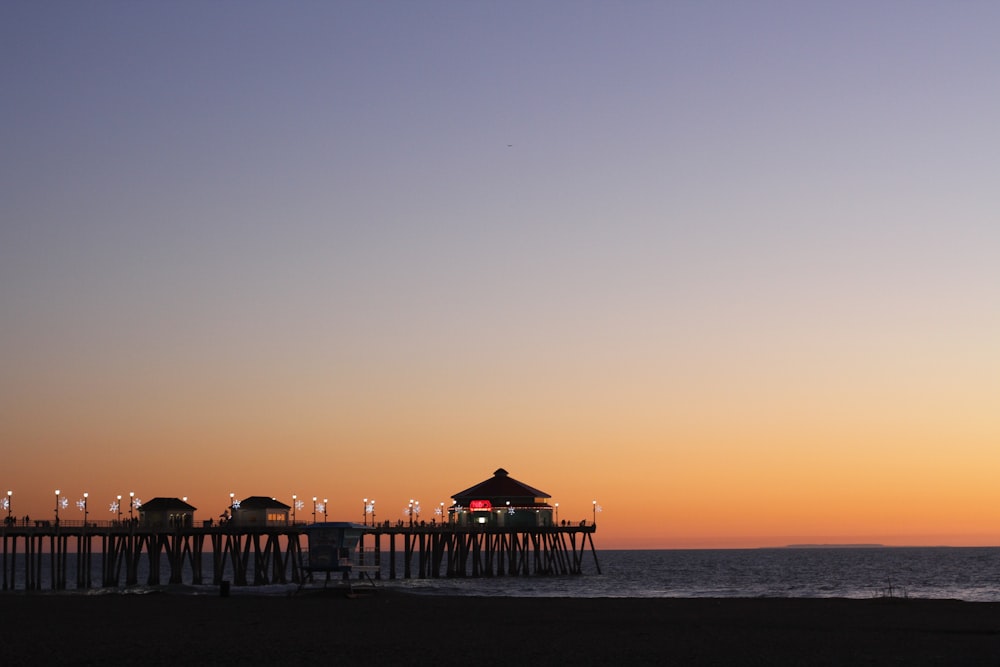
(260, 511)
(166, 513)
(501, 501)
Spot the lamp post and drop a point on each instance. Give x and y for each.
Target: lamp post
(84, 508)
(118, 506)
(57, 507)
(594, 522)
(314, 509)
(409, 512)
(364, 513)
(131, 503)
(371, 508)
(557, 514)
(295, 501)
(326, 506)
(441, 512)
(10, 502)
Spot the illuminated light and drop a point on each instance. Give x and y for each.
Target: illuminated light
(480, 505)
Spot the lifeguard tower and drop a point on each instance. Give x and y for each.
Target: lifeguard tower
(331, 547)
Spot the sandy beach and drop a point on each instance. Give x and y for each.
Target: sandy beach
(391, 628)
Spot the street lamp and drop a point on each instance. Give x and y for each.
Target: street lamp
(118, 507)
(557, 514)
(83, 507)
(131, 503)
(295, 502)
(326, 504)
(314, 509)
(364, 514)
(414, 510)
(10, 502)
(57, 507)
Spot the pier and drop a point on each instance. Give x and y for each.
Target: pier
(90, 555)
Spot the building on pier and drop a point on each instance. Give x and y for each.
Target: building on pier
(501, 501)
(260, 511)
(165, 513)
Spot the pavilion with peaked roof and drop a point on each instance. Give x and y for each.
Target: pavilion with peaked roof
(501, 501)
(166, 513)
(260, 511)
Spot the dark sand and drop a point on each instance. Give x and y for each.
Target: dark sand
(390, 628)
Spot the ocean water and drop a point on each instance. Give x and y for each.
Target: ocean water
(971, 574)
(963, 573)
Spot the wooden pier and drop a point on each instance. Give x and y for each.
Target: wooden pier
(127, 554)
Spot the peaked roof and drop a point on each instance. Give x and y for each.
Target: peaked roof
(166, 505)
(262, 503)
(501, 484)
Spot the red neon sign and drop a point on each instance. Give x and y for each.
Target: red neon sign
(480, 505)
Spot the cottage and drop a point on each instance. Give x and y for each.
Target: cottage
(501, 501)
(166, 513)
(260, 511)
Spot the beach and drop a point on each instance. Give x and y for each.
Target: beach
(392, 628)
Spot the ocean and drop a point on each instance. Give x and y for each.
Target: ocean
(971, 574)
(963, 573)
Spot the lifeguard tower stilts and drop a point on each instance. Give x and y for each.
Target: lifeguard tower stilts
(331, 549)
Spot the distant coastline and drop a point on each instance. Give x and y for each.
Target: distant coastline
(834, 546)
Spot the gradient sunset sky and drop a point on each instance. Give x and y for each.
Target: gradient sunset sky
(732, 269)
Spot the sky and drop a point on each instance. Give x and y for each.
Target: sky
(730, 269)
